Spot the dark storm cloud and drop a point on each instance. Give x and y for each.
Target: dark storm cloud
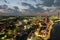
(5, 1)
(27, 4)
(16, 7)
(3, 6)
(32, 8)
(34, 0)
(57, 3)
(6, 7)
(0, 7)
(38, 4)
(39, 9)
(9, 11)
(48, 2)
(15, 11)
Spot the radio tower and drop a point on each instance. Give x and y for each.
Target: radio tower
(58, 15)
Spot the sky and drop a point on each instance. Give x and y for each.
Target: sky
(42, 3)
(12, 3)
(18, 3)
(16, 6)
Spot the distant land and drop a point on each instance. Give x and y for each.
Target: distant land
(28, 13)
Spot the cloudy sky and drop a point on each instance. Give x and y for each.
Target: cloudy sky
(30, 5)
(20, 3)
(24, 4)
